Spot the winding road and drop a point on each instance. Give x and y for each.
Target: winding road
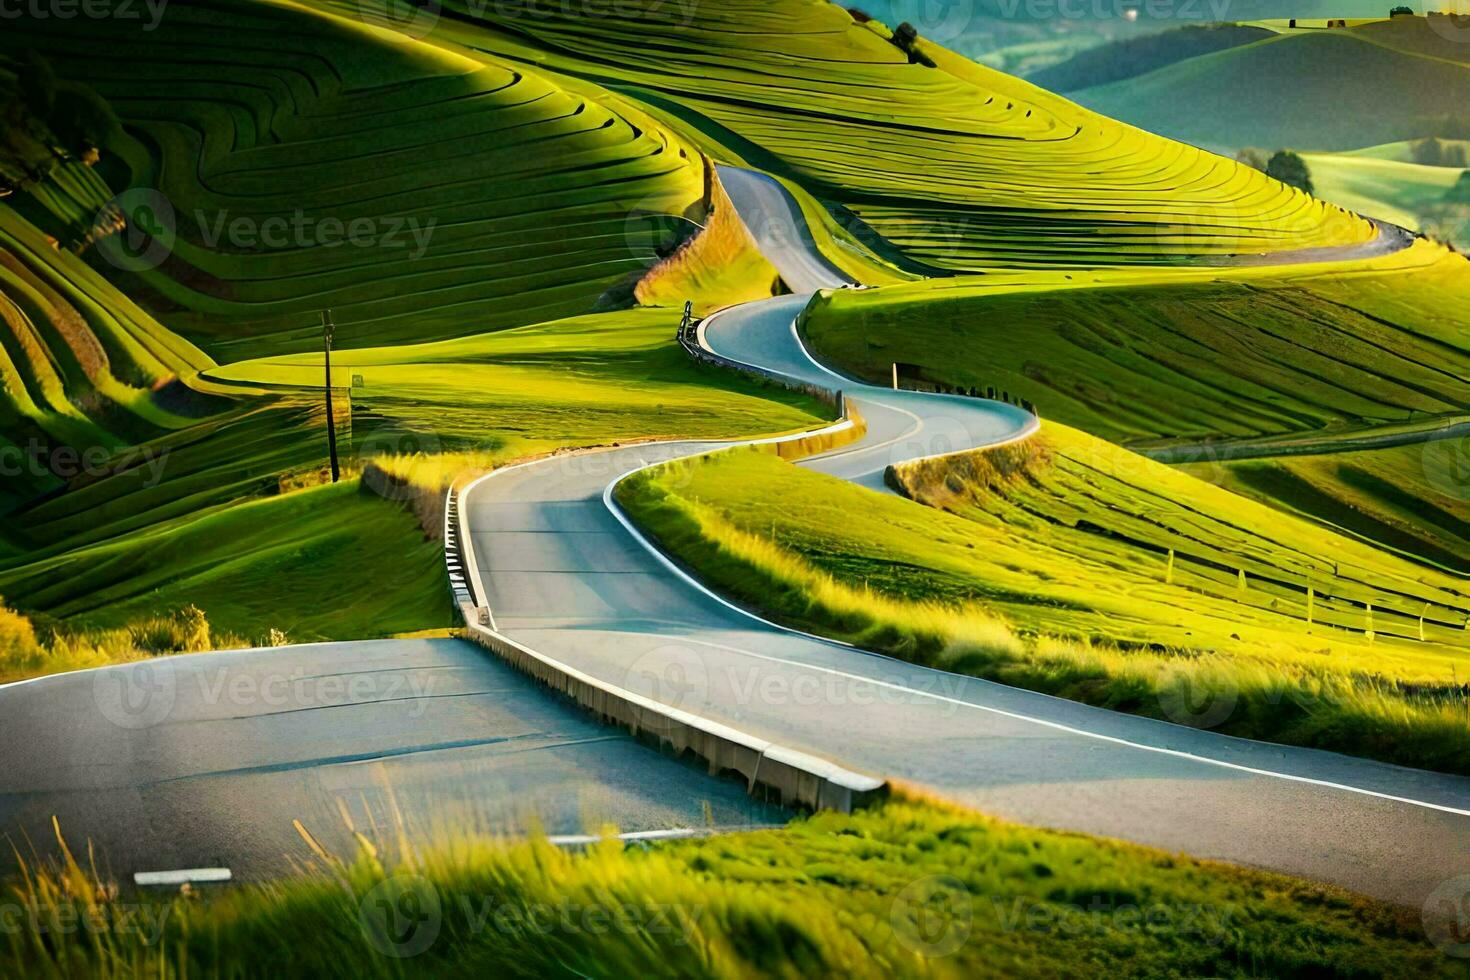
(565, 575)
(206, 760)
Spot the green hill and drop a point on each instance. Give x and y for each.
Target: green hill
(1131, 57)
(1377, 83)
(309, 163)
(940, 163)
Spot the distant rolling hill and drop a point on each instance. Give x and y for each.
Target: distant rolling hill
(1375, 83)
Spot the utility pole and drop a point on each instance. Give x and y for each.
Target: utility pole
(331, 422)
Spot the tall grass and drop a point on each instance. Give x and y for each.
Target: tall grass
(24, 654)
(907, 889)
(1275, 694)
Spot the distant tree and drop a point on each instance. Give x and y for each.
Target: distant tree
(1455, 156)
(1401, 12)
(1252, 157)
(1289, 168)
(1460, 193)
(1429, 152)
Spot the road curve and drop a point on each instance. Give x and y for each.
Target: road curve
(204, 760)
(565, 575)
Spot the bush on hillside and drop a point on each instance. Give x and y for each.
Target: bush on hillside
(1252, 157)
(1460, 192)
(1289, 168)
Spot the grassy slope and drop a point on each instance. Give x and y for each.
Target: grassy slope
(1373, 84)
(1180, 358)
(587, 381)
(319, 573)
(904, 890)
(1133, 56)
(540, 193)
(925, 157)
(173, 529)
(1411, 195)
(1048, 567)
(261, 112)
(1413, 498)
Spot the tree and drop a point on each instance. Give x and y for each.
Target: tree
(1429, 152)
(1252, 157)
(81, 118)
(1460, 193)
(1401, 12)
(1289, 168)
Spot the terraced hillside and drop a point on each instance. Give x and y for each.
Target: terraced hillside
(1160, 360)
(1375, 83)
(1068, 565)
(310, 162)
(81, 368)
(936, 161)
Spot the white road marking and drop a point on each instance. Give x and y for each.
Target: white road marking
(183, 876)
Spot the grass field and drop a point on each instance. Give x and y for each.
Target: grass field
(311, 162)
(1412, 498)
(1174, 358)
(1409, 194)
(924, 160)
(1073, 567)
(1375, 83)
(184, 522)
(907, 889)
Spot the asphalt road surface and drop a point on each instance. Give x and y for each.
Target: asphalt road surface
(204, 761)
(566, 577)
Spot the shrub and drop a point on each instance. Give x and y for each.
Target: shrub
(1289, 168)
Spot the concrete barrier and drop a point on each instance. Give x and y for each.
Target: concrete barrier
(769, 770)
